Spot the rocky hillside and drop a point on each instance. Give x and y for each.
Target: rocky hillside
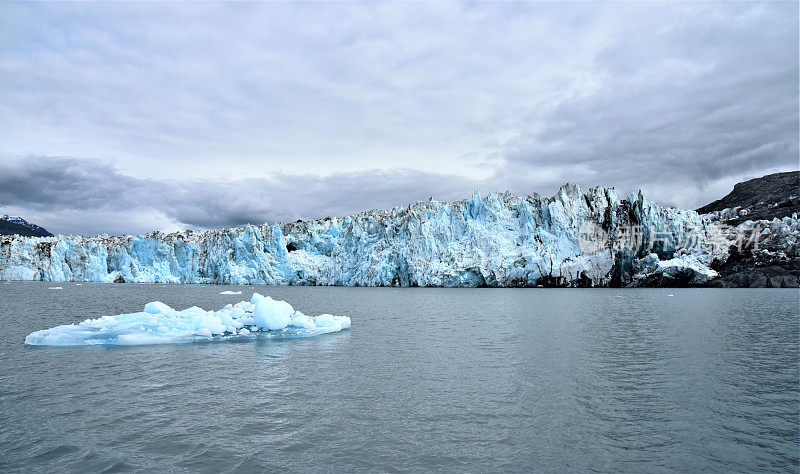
(770, 206)
(19, 226)
(765, 198)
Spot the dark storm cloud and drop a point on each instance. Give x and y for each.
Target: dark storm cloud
(59, 183)
(58, 189)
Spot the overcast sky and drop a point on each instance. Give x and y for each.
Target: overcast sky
(123, 118)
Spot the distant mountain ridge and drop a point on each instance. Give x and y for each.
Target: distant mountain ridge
(768, 197)
(10, 225)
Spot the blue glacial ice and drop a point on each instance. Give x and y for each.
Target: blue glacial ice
(575, 238)
(262, 316)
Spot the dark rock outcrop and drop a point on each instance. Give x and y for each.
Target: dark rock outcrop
(12, 228)
(772, 261)
(765, 198)
(19, 226)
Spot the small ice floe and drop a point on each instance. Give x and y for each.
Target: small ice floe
(229, 292)
(55, 288)
(159, 324)
(670, 294)
(77, 284)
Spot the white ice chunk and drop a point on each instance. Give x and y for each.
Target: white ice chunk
(228, 292)
(331, 321)
(244, 306)
(248, 320)
(160, 324)
(157, 307)
(55, 288)
(271, 314)
(300, 320)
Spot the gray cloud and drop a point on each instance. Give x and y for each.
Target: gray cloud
(709, 97)
(81, 196)
(219, 114)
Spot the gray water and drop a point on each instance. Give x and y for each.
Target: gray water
(426, 379)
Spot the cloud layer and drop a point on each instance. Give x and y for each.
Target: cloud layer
(87, 197)
(122, 118)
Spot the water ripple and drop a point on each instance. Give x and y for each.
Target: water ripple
(426, 379)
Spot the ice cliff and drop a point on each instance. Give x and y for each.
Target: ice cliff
(574, 238)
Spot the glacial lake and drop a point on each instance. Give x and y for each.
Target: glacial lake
(546, 380)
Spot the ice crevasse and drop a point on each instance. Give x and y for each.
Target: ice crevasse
(158, 323)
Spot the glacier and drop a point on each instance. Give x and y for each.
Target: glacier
(160, 324)
(574, 238)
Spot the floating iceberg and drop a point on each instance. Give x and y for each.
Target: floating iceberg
(229, 292)
(55, 288)
(160, 324)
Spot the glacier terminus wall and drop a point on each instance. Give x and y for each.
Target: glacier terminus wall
(574, 238)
